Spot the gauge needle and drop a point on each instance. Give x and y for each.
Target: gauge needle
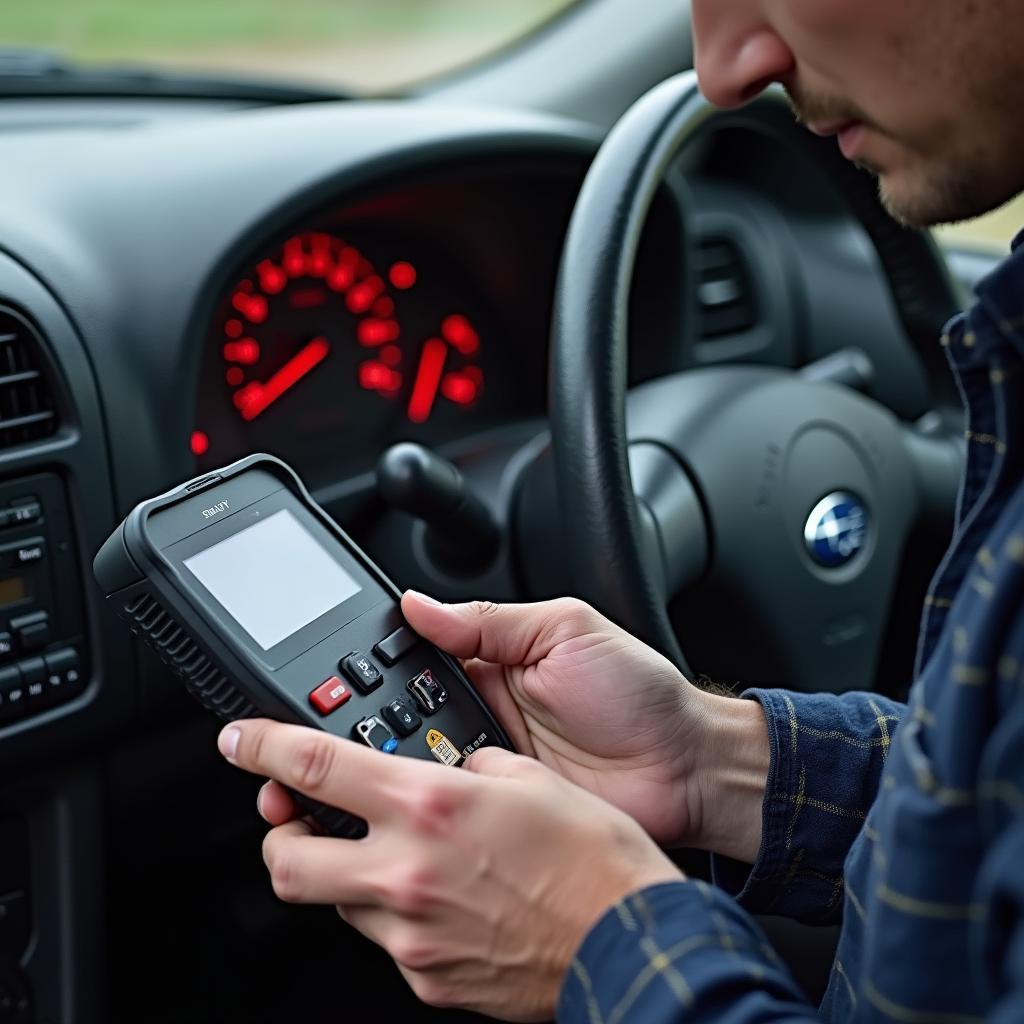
(428, 377)
(255, 397)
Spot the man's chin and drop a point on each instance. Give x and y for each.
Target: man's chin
(918, 202)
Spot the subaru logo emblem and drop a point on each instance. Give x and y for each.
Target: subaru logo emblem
(836, 529)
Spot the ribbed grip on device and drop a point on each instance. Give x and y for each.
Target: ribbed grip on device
(151, 622)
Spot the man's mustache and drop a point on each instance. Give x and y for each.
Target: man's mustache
(823, 110)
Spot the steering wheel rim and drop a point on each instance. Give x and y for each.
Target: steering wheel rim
(610, 561)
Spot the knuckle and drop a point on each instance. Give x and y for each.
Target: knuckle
(485, 609)
(284, 878)
(573, 611)
(412, 889)
(313, 762)
(433, 990)
(437, 806)
(412, 952)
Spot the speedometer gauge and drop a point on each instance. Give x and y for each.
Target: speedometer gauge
(325, 352)
(309, 316)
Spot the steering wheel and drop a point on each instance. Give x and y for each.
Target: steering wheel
(789, 500)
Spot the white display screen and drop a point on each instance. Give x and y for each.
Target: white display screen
(273, 578)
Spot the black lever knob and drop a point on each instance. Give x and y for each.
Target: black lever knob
(462, 535)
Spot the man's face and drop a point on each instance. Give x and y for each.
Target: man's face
(927, 94)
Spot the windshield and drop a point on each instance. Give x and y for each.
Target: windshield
(355, 46)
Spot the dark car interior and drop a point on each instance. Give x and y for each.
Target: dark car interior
(649, 350)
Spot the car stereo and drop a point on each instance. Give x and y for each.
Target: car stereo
(262, 605)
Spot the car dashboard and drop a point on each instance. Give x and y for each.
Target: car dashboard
(316, 281)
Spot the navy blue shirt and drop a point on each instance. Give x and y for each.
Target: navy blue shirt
(904, 822)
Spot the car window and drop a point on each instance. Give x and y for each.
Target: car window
(359, 46)
(993, 232)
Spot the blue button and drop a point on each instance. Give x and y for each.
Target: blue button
(390, 746)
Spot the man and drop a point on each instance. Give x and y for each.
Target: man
(529, 885)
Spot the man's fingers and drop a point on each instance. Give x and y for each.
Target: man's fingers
(332, 770)
(275, 804)
(305, 868)
(508, 634)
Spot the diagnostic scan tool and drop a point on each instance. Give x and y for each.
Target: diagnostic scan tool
(263, 606)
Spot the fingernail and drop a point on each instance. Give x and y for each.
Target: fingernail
(227, 742)
(259, 799)
(425, 598)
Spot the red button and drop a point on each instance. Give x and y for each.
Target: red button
(330, 695)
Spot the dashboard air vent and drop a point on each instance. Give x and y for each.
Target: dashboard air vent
(725, 291)
(26, 401)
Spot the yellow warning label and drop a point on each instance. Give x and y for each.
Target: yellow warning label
(442, 748)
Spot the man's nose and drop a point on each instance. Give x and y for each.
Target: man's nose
(737, 55)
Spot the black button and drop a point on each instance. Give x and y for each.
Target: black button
(28, 511)
(13, 695)
(6, 645)
(401, 717)
(35, 636)
(29, 619)
(14, 923)
(33, 630)
(63, 676)
(391, 648)
(364, 675)
(429, 693)
(33, 675)
(30, 553)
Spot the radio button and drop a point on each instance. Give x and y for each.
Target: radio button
(31, 552)
(329, 695)
(63, 675)
(365, 676)
(13, 698)
(26, 511)
(6, 645)
(33, 630)
(393, 647)
(401, 717)
(33, 675)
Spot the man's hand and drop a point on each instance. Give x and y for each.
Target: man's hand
(480, 883)
(612, 715)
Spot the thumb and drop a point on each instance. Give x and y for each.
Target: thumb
(507, 634)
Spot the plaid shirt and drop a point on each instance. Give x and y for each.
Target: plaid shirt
(904, 822)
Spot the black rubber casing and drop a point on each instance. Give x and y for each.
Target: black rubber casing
(230, 675)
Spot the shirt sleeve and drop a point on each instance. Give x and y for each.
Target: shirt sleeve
(679, 952)
(827, 756)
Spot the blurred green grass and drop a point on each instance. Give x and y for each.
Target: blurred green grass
(993, 232)
(130, 29)
(405, 39)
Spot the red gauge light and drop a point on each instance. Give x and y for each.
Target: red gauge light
(377, 332)
(272, 278)
(459, 388)
(361, 297)
(428, 377)
(459, 332)
(254, 398)
(384, 307)
(390, 355)
(199, 443)
(341, 278)
(233, 328)
(403, 275)
(376, 376)
(246, 352)
(234, 376)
